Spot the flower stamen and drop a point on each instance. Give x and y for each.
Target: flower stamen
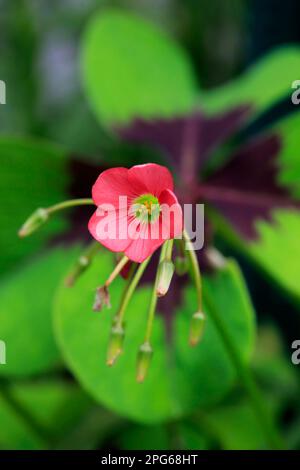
(146, 208)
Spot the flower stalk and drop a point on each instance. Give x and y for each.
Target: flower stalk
(145, 351)
(83, 262)
(198, 319)
(102, 298)
(121, 264)
(115, 346)
(181, 262)
(41, 215)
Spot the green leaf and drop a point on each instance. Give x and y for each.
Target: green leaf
(162, 437)
(262, 85)
(55, 405)
(180, 378)
(236, 427)
(191, 438)
(33, 174)
(137, 437)
(36, 414)
(131, 69)
(288, 158)
(277, 249)
(92, 431)
(15, 433)
(25, 314)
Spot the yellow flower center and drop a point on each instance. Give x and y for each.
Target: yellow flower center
(146, 208)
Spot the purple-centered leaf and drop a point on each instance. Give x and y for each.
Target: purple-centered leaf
(243, 190)
(187, 141)
(247, 189)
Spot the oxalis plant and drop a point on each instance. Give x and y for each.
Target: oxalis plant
(186, 338)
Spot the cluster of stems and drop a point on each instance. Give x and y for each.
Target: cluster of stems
(164, 275)
(185, 260)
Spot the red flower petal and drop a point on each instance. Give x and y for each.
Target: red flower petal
(151, 178)
(116, 240)
(172, 225)
(144, 246)
(120, 232)
(110, 185)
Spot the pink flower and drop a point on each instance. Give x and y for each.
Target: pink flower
(137, 210)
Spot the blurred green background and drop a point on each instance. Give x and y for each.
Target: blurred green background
(77, 74)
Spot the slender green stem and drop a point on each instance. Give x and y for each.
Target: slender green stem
(82, 263)
(117, 270)
(128, 283)
(153, 300)
(195, 268)
(169, 249)
(130, 291)
(71, 203)
(242, 369)
(40, 216)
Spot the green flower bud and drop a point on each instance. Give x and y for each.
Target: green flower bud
(197, 328)
(181, 265)
(115, 346)
(165, 274)
(34, 222)
(143, 361)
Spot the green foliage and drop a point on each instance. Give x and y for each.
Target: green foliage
(15, 432)
(25, 312)
(289, 161)
(131, 69)
(235, 427)
(278, 251)
(34, 415)
(150, 438)
(33, 174)
(261, 86)
(180, 378)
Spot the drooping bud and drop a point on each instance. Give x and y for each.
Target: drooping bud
(102, 299)
(115, 346)
(34, 222)
(181, 265)
(143, 361)
(165, 274)
(197, 328)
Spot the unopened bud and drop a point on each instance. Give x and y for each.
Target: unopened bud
(143, 361)
(115, 346)
(165, 274)
(34, 222)
(197, 328)
(102, 299)
(181, 265)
